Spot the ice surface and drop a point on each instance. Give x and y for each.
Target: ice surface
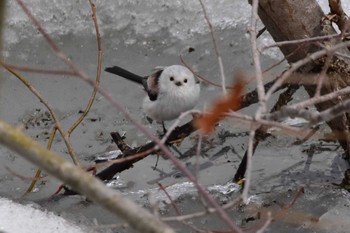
(180, 18)
(185, 188)
(15, 218)
(129, 21)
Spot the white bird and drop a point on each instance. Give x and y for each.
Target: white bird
(170, 91)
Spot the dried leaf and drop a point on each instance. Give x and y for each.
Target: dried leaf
(222, 106)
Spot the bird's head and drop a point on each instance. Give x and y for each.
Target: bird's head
(176, 77)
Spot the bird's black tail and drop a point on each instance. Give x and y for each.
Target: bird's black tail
(125, 74)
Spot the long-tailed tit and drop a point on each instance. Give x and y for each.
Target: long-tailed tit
(170, 91)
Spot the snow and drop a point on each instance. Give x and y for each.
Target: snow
(27, 219)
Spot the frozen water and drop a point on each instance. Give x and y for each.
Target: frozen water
(129, 27)
(65, 17)
(180, 18)
(142, 20)
(175, 191)
(16, 218)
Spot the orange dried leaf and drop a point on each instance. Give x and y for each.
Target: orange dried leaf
(223, 105)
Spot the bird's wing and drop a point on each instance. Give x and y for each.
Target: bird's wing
(151, 85)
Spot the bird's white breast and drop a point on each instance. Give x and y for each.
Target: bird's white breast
(172, 102)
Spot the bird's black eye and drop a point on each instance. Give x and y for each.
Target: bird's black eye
(171, 78)
(185, 81)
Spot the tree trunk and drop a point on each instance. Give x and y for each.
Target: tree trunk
(298, 19)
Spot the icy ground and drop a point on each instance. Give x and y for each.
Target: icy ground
(28, 219)
(140, 35)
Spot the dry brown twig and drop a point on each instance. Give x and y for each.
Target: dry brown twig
(50, 109)
(97, 82)
(177, 210)
(320, 99)
(176, 123)
(200, 76)
(94, 189)
(311, 116)
(280, 80)
(24, 177)
(221, 66)
(302, 41)
(295, 66)
(118, 106)
(266, 224)
(98, 75)
(323, 74)
(341, 19)
(38, 171)
(39, 70)
(261, 94)
(259, 86)
(286, 129)
(207, 211)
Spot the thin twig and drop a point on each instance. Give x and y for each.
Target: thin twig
(223, 215)
(320, 99)
(256, 60)
(177, 135)
(198, 154)
(285, 58)
(295, 66)
(202, 213)
(289, 130)
(221, 66)
(40, 70)
(304, 40)
(300, 192)
(323, 74)
(98, 75)
(50, 109)
(23, 177)
(312, 116)
(95, 190)
(266, 224)
(176, 123)
(201, 77)
(170, 199)
(249, 163)
(38, 171)
(261, 94)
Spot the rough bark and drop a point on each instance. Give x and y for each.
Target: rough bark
(297, 19)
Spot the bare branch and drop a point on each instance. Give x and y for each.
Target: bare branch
(50, 109)
(40, 70)
(98, 75)
(295, 66)
(221, 66)
(82, 181)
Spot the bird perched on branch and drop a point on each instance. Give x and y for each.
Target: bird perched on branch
(170, 91)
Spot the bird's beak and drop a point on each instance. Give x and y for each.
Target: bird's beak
(178, 83)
